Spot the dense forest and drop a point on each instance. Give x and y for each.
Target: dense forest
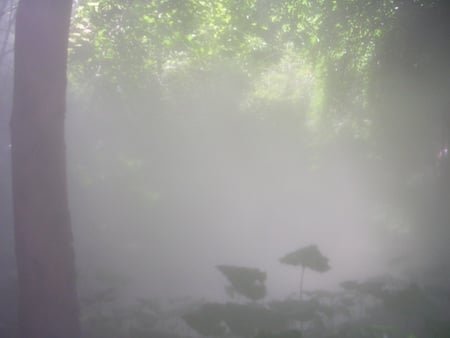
(225, 168)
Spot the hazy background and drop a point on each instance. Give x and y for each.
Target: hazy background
(160, 198)
(180, 159)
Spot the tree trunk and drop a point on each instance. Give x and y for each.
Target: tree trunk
(48, 306)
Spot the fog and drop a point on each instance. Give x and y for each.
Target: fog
(236, 159)
(161, 196)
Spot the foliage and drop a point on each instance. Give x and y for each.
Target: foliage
(104, 315)
(134, 42)
(101, 317)
(214, 319)
(282, 334)
(299, 310)
(396, 309)
(309, 257)
(248, 282)
(138, 43)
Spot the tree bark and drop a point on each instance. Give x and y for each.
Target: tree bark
(48, 306)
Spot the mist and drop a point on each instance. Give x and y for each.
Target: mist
(206, 185)
(179, 162)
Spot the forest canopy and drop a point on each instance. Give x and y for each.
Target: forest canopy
(351, 74)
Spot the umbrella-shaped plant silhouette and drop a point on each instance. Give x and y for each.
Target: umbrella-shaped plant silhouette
(308, 257)
(248, 282)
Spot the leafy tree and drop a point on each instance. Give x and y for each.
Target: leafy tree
(308, 257)
(48, 304)
(248, 282)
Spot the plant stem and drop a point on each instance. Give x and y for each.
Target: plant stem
(301, 282)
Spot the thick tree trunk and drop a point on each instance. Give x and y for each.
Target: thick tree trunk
(48, 305)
